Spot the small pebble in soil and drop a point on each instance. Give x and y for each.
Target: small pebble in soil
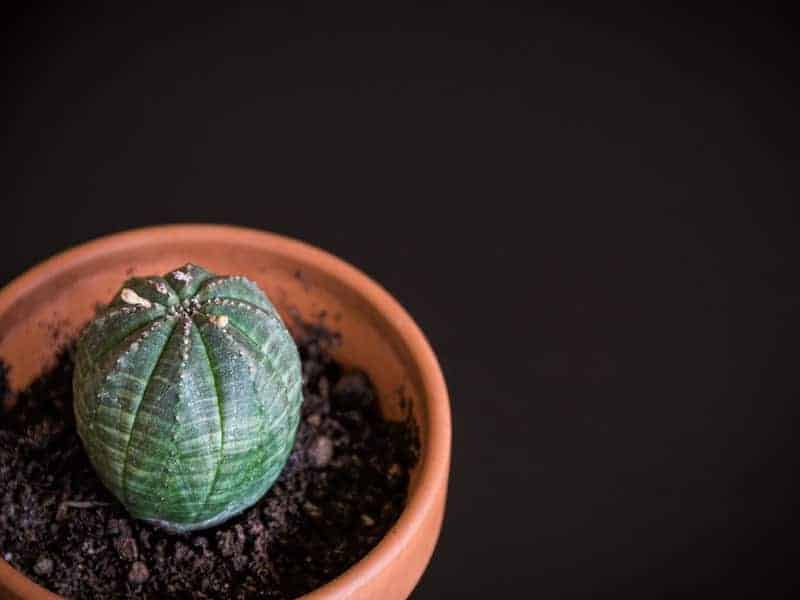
(343, 487)
(138, 573)
(126, 548)
(43, 566)
(312, 510)
(367, 520)
(321, 451)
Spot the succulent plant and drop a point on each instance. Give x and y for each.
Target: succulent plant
(187, 395)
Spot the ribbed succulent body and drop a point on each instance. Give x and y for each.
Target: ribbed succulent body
(187, 394)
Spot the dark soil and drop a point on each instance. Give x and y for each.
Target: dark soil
(343, 487)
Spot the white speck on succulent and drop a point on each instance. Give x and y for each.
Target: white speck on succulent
(161, 287)
(130, 297)
(182, 275)
(219, 320)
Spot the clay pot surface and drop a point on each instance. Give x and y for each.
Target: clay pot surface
(378, 335)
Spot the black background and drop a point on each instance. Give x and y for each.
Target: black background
(590, 215)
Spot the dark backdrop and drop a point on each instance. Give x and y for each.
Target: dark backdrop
(590, 215)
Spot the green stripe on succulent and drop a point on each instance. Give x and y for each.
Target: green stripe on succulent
(187, 396)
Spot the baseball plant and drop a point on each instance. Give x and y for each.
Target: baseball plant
(187, 395)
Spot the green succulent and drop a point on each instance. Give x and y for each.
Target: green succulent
(187, 395)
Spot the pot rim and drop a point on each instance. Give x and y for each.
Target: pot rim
(435, 463)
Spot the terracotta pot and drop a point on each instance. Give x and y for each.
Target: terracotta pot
(378, 335)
